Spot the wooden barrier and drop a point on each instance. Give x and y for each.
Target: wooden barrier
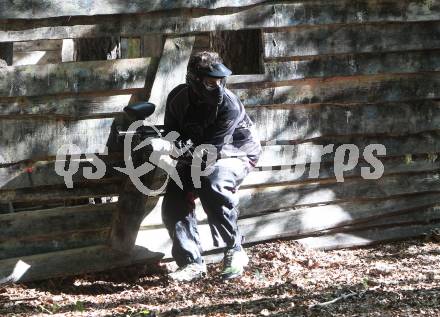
(335, 73)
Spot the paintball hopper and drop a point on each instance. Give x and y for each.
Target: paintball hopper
(140, 110)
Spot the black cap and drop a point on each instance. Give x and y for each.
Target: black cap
(216, 70)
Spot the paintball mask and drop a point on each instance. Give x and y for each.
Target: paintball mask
(208, 91)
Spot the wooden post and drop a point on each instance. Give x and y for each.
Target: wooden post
(170, 73)
(6, 52)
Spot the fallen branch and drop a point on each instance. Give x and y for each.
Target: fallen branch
(337, 299)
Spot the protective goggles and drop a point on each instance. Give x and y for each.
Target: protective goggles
(212, 83)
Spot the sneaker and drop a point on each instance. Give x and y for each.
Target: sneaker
(234, 263)
(189, 272)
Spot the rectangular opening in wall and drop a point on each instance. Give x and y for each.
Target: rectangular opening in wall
(241, 50)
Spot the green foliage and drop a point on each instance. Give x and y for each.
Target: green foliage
(79, 306)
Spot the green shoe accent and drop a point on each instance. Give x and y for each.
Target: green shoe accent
(234, 263)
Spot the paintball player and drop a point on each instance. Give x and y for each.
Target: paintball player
(203, 111)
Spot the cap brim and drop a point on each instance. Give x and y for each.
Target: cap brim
(218, 71)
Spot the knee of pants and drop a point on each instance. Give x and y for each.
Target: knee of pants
(219, 193)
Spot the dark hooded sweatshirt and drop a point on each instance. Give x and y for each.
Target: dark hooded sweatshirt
(208, 124)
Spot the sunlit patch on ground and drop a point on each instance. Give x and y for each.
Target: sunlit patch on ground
(284, 279)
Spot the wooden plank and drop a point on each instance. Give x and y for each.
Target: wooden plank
(170, 73)
(352, 65)
(282, 227)
(152, 45)
(28, 225)
(73, 262)
(202, 42)
(305, 122)
(47, 9)
(293, 123)
(59, 194)
(130, 47)
(36, 58)
(43, 45)
(352, 39)
(285, 154)
(72, 108)
(313, 218)
(273, 155)
(307, 222)
(37, 80)
(38, 138)
(367, 237)
(294, 173)
(43, 173)
(68, 240)
(285, 196)
(256, 17)
(372, 89)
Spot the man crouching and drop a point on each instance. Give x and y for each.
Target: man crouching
(203, 111)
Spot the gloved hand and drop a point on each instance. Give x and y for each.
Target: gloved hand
(161, 145)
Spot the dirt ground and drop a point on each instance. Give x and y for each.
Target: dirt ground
(283, 279)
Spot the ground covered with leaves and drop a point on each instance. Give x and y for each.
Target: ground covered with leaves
(283, 279)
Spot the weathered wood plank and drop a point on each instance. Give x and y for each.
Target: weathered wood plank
(43, 45)
(47, 9)
(307, 222)
(170, 73)
(305, 122)
(131, 47)
(372, 89)
(72, 262)
(72, 108)
(301, 173)
(285, 196)
(264, 16)
(294, 123)
(28, 225)
(43, 173)
(152, 45)
(59, 194)
(273, 155)
(339, 214)
(36, 58)
(38, 138)
(352, 65)
(34, 139)
(37, 80)
(366, 237)
(278, 155)
(281, 227)
(352, 39)
(37, 245)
